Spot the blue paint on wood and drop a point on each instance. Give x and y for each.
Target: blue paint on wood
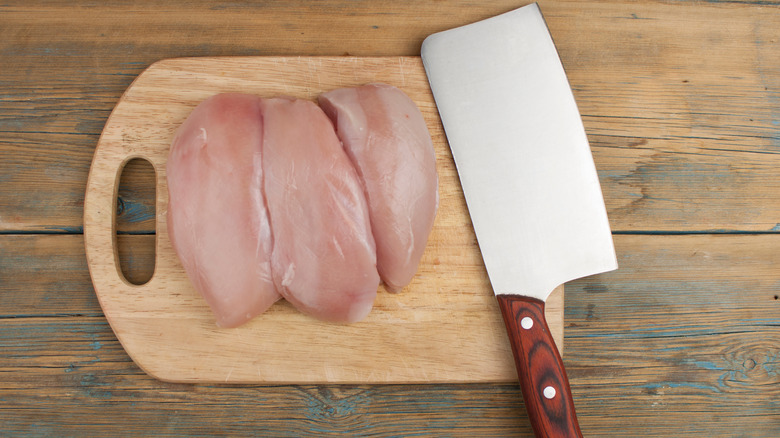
(772, 363)
(654, 387)
(134, 212)
(707, 365)
(667, 349)
(327, 405)
(93, 387)
(659, 332)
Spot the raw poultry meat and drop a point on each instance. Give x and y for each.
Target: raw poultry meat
(217, 219)
(324, 258)
(387, 140)
(265, 200)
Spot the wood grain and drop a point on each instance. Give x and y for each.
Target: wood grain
(407, 338)
(680, 101)
(644, 344)
(681, 104)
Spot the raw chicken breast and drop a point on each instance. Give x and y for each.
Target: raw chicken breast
(324, 259)
(217, 219)
(387, 140)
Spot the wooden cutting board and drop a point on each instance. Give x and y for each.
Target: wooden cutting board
(444, 327)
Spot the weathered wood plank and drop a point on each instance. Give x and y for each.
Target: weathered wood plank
(92, 378)
(88, 384)
(682, 340)
(47, 276)
(686, 322)
(681, 105)
(680, 101)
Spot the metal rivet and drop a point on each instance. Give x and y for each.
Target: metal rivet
(526, 323)
(549, 392)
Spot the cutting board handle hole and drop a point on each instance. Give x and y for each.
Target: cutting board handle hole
(135, 218)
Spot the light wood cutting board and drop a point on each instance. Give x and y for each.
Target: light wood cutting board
(444, 327)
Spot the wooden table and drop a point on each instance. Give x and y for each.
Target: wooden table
(681, 102)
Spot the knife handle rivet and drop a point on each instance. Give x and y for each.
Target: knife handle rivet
(526, 323)
(549, 392)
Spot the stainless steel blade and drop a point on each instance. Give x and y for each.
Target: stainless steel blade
(521, 151)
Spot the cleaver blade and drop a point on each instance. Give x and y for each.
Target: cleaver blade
(530, 184)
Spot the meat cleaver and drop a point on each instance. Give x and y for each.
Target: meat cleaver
(530, 184)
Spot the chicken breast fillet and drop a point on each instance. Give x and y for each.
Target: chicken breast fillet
(386, 137)
(324, 257)
(217, 218)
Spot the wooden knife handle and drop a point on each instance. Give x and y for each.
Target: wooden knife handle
(543, 379)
